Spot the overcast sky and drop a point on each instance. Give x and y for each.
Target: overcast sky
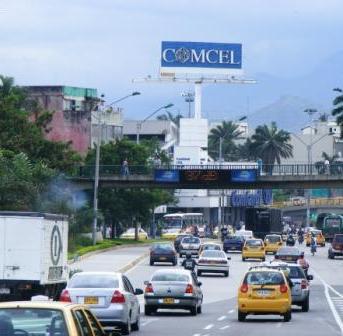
(106, 43)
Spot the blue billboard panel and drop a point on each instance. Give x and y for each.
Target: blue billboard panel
(166, 175)
(201, 55)
(243, 175)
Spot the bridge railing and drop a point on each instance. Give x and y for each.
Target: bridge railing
(262, 170)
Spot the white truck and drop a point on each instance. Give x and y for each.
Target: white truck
(33, 255)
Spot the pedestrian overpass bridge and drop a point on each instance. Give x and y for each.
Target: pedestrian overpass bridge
(237, 176)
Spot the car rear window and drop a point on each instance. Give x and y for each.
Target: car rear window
(288, 251)
(211, 248)
(234, 239)
(264, 278)
(254, 242)
(170, 277)
(296, 272)
(32, 321)
(339, 238)
(273, 239)
(93, 281)
(213, 254)
(162, 247)
(191, 240)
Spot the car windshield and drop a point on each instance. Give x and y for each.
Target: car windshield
(264, 278)
(191, 240)
(253, 243)
(170, 277)
(93, 281)
(288, 251)
(273, 239)
(296, 272)
(162, 247)
(32, 321)
(213, 254)
(339, 238)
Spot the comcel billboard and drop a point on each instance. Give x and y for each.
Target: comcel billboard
(201, 58)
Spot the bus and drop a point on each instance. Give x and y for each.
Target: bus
(332, 224)
(174, 224)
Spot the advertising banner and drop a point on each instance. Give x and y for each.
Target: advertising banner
(201, 57)
(167, 175)
(246, 175)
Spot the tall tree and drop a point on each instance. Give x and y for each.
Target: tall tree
(170, 117)
(271, 144)
(338, 108)
(228, 132)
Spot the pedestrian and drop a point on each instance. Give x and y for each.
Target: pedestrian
(125, 168)
(327, 166)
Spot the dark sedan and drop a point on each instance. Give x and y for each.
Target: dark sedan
(163, 253)
(288, 254)
(177, 241)
(233, 243)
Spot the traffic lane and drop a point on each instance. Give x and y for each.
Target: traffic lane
(110, 261)
(220, 318)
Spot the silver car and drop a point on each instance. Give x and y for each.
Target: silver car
(110, 296)
(212, 261)
(173, 289)
(190, 245)
(299, 282)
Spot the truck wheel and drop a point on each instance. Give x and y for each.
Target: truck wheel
(305, 307)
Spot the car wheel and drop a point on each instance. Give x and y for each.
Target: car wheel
(288, 316)
(264, 259)
(305, 307)
(199, 309)
(331, 256)
(199, 273)
(135, 326)
(126, 329)
(226, 274)
(194, 310)
(243, 259)
(148, 310)
(241, 316)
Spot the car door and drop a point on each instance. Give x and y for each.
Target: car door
(132, 300)
(81, 322)
(94, 324)
(198, 290)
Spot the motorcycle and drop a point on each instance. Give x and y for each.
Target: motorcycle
(290, 241)
(301, 239)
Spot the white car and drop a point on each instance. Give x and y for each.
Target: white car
(130, 234)
(246, 234)
(190, 244)
(213, 261)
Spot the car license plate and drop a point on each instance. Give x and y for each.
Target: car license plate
(289, 258)
(168, 300)
(163, 258)
(263, 293)
(91, 300)
(5, 291)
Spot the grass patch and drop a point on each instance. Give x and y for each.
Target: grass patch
(84, 245)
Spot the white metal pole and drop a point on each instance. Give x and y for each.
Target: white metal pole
(197, 100)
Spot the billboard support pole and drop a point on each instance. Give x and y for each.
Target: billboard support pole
(197, 100)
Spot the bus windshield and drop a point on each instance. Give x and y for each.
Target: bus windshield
(172, 222)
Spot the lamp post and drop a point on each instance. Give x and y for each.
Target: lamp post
(189, 98)
(140, 123)
(100, 111)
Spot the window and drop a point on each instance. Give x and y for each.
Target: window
(82, 323)
(264, 278)
(94, 324)
(254, 243)
(170, 277)
(93, 281)
(127, 285)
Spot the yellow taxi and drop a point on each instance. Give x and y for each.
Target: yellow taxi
(253, 249)
(264, 291)
(48, 318)
(320, 239)
(130, 234)
(170, 233)
(272, 243)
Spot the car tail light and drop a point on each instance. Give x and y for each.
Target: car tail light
(283, 288)
(245, 248)
(65, 297)
(149, 289)
(189, 289)
(304, 284)
(244, 288)
(118, 297)
(262, 248)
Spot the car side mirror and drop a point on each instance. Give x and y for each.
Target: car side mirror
(228, 258)
(138, 291)
(199, 283)
(310, 277)
(146, 282)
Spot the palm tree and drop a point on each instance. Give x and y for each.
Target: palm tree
(228, 132)
(170, 117)
(334, 164)
(271, 144)
(338, 108)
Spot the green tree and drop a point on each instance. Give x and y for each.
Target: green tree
(229, 133)
(338, 108)
(271, 144)
(170, 117)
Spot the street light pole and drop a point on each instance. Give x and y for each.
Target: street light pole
(139, 123)
(97, 161)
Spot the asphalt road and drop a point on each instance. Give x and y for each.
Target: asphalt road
(219, 315)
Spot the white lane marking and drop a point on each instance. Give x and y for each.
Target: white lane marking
(225, 327)
(326, 284)
(208, 327)
(196, 334)
(231, 311)
(146, 322)
(139, 264)
(221, 318)
(279, 325)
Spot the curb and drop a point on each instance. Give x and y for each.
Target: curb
(133, 263)
(113, 248)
